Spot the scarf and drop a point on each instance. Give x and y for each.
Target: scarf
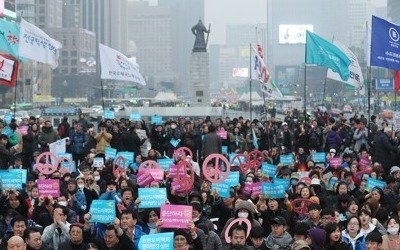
(279, 242)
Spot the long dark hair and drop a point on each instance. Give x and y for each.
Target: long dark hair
(89, 245)
(330, 228)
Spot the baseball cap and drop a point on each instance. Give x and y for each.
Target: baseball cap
(284, 124)
(278, 220)
(394, 169)
(332, 151)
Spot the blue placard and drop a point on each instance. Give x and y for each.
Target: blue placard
(224, 150)
(7, 131)
(152, 197)
(165, 163)
(108, 114)
(102, 211)
(371, 183)
(223, 189)
(384, 84)
(286, 160)
(332, 182)
(273, 190)
(158, 241)
(134, 116)
(318, 157)
(174, 142)
(236, 161)
(68, 166)
(110, 152)
(65, 155)
(269, 170)
(23, 172)
(10, 180)
(8, 117)
(156, 119)
(233, 179)
(128, 156)
(281, 181)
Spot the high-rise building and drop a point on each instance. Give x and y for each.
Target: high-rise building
(49, 13)
(150, 30)
(108, 20)
(184, 15)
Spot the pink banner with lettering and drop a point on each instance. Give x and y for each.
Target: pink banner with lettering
(222, 133)
(157, 173)
(49, 187)
(175, 216)
(144, 178)
(256, 191)
(335, 162)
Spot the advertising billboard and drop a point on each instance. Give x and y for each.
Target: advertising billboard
(294, 33)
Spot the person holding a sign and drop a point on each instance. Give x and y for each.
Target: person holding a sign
(131, 228)
(47, 136)
(115, 238)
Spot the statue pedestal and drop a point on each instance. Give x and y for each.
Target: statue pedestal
(200, 79)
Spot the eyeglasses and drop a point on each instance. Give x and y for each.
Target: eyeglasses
(353, 224)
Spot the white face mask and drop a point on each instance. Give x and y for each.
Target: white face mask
(81, 186)
(173, 126)
(393, 230)
(196, 219)
(62, 203)
(243, 214)
(97, 178)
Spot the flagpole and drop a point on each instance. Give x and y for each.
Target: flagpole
(15, 97)
(250, 101)
(324, 91)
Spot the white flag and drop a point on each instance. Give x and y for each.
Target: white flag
(6, 68)
(115, 65)
(259, 72)
(35, 44)
(356, 78)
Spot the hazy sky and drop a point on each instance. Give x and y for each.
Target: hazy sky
(239, 12)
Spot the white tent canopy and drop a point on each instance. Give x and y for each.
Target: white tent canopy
(165, 97)
(256, 99)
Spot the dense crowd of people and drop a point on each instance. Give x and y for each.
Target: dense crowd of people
(349, 199)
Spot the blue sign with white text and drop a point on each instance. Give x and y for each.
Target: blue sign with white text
(102, 211)
(152, 197)
(385, 44)
(158, 241)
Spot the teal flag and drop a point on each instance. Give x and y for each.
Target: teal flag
(323, 53)
(9, 37)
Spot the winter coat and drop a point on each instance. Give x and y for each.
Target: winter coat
(358, 243)
(78, 140)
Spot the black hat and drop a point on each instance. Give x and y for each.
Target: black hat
(112, 182)
(183, 233)
(197, 206)
(278, 220)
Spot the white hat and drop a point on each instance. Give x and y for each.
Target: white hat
(315, 181)
(284, 124)
(394, 169)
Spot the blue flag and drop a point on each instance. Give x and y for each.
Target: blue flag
(9, 37)
(385, 44)
(323, 53)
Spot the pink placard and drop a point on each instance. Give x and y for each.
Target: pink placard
(248, 188)
(175, 216)
(157, 173)
(49, 187)
(173, 171)
(222, 133)
(256, 191)
(335, 162)
(364, 162)
(23, 130)
(144, 178)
